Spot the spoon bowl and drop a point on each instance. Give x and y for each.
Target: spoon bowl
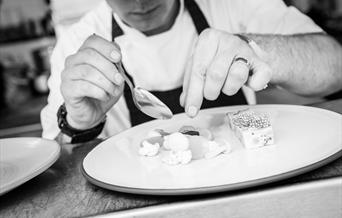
(144, 100)
(151, 105)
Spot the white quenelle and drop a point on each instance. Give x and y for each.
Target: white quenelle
(224, 143)
(177, 157)
(149, 149)
(176, 142)
(178, 146)
(214, 149)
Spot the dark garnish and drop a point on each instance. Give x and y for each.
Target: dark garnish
(191, 132)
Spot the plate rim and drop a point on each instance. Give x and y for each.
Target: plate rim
(212, 189)
(48, 164)
(224, 187)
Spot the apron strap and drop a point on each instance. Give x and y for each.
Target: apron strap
(116, 29)
(197, 16)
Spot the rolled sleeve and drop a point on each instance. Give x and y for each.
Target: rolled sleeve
(65, 46)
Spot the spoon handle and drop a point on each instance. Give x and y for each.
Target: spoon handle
(122, 71)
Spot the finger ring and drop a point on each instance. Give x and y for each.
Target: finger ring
(244, 60)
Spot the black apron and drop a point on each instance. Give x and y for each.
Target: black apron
(171, 97)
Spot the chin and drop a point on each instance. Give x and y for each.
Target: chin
(148, 28)
(148, 24)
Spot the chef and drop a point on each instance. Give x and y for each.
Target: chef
(192, 54)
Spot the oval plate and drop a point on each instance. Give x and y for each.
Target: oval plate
(305, 139)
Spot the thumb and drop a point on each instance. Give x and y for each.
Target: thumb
(261, 75)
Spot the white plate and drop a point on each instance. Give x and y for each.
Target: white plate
(306, 138)
(21, 159)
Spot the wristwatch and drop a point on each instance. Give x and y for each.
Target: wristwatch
(77, 136)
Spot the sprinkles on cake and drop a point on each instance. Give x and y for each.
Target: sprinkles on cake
(250, 119)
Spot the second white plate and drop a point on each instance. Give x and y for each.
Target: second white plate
(21, 159)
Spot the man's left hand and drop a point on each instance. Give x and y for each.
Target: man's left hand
(221, 62)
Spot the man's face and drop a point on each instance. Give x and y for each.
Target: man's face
(143, 15)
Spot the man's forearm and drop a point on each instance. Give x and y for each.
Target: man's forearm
(306, 64)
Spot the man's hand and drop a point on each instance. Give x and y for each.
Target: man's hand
(91, 84)
(217, 65)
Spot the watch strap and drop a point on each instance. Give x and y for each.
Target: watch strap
(77, 135)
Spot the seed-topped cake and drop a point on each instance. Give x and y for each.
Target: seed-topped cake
(253, 128)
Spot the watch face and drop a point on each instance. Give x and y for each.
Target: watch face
(62, 123)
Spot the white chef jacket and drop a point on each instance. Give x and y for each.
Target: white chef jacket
(157, 62)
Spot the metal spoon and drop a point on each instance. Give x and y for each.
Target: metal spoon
(144, 100)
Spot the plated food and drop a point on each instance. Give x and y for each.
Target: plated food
(299, 146)
(189, 143)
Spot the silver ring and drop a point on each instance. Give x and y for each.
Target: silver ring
(244, 60)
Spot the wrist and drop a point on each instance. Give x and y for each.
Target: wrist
(275, 56)
(260, 46)
(77, 135)
(78, 120)
(82, 125)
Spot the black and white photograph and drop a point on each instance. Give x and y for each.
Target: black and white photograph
(171, 108)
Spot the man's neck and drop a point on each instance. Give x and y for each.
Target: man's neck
(169, 21)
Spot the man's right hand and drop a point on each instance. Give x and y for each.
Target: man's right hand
(91, 84)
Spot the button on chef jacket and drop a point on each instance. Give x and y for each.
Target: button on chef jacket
(147, 58)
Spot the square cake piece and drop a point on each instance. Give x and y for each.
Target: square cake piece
(252, 128)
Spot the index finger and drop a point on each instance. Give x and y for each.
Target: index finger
(204, 53)
(108, 49)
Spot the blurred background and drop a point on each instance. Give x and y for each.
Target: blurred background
(28, 32)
